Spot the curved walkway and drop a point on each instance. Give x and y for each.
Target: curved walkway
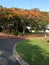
(6, 54)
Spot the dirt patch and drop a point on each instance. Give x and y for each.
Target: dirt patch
(2, 35)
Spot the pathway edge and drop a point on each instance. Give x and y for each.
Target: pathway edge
(17, 56)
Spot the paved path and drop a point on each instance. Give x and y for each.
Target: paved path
(6, 54)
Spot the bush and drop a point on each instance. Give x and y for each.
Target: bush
(15, 32)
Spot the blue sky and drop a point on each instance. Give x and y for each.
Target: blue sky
(43, 5)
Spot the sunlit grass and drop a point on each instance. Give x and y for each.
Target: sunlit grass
(35, 51)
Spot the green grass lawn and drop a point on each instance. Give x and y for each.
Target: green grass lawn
(34, 51)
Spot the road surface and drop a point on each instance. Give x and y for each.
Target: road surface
(6, 51)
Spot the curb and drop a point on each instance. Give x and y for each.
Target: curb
(17, 56)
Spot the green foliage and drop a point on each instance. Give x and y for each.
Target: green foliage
(43, 23)
(21, 20)
(34, 23)
(15, 32)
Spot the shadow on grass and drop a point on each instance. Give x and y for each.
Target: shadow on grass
(33, 54)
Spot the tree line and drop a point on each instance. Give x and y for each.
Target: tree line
(16, 20)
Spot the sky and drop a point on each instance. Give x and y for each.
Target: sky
(43, 5)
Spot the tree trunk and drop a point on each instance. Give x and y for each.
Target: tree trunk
(45, 33)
